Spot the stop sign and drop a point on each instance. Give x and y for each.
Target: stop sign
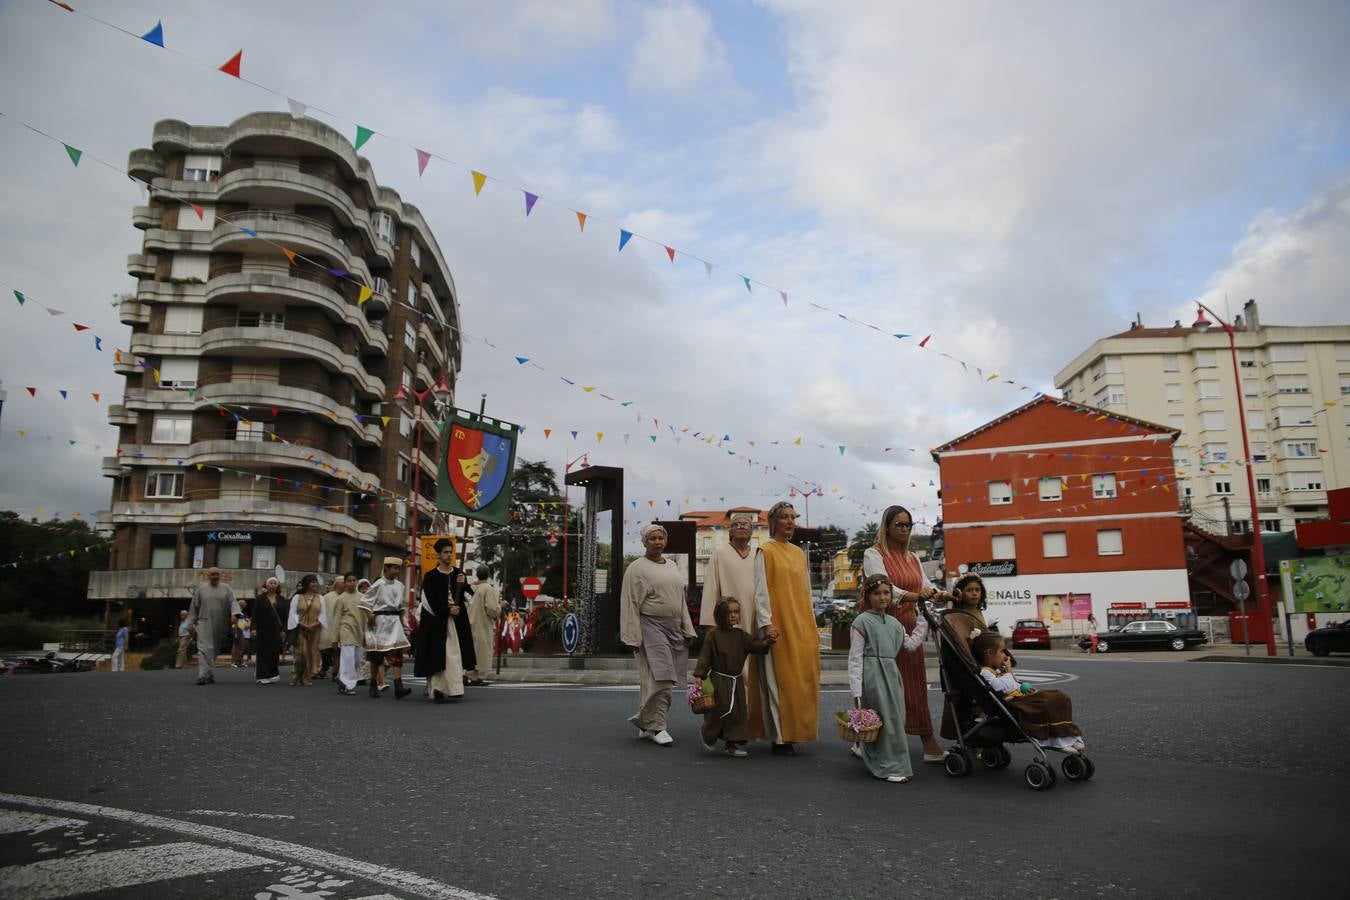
(530, 587)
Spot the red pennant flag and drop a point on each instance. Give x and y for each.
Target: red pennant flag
(32, 391)
(79, 327)
(290, 254)
(200, 211)
(95, 396)
(423, 157)
(670, 251)
(924, 342)
(232, 67)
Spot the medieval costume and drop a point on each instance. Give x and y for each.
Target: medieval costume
(269, 627)
(723, 659)
(351, 629)
(211, 613)
(307, 618)
(484, 609)
(875, 640)
(437, 651)
(654, 619)
(387, 638)
(789, 685)
(906, 574)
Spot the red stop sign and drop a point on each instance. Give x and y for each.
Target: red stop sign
(530, 587)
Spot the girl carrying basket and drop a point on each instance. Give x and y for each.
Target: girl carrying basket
(723, 656)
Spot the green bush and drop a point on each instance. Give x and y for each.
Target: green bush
(20, 631)
(163, 656)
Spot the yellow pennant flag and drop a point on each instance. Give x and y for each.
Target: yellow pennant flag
(199, 467)
(385, 420)
(798, 442)
(599, 436)
(581, 220)
(156, 371)
(588, 389)
(364, 295)
(479, 179)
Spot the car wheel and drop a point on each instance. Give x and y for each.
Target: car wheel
(1039, 776)
(1177, 643)
(1318, 647)
(1074, 768)
(1103, 646)
(956, 764)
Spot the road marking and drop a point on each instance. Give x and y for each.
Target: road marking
(242, 815)
(321, 859)
(14, 820)
(120, 869)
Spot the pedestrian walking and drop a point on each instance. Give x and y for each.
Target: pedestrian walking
(725, 651)
(306, 618)
(485, 608)
(352, 619)
(212, 610)
(387, 637)
(119, 654)
(184, 641)
(437, 657)
(269, 629)
(328, 634)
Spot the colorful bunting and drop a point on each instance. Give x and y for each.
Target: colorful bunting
(423, 157)
(297, 108)
(479, 179)
(231, 67)
(624, 238)
(363, 134)
(73, 154)
(155, 35)
(581, 221)
(530, 200)
(670, 251)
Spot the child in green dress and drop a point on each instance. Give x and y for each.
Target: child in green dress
(725, 649)
(874, 679)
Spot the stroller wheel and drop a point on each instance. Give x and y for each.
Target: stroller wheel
(1091, 767)
(1075, 768)
(956, 763)
(994, 758)
(1039, 776)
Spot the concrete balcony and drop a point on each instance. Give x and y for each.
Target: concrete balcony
(272, 342)
(261, 393)
(142, 265)
(424, 373)
(173, 135)
(428, 338)
(120, 415)
(175, 241)
(148, 290)
(306, 236)
(112, 467)
(146, 344)
(277, 282)
(144, 217)
(133, 312)
(139, 400)
(263, 453)
(147, 165)
(278, 183)
(256, 512)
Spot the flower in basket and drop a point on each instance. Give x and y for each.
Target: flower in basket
(863, 719)
(695, 691)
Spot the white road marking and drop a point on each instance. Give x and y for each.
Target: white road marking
(14, 820)
(119, 869)
(389, 877)
(242, 815)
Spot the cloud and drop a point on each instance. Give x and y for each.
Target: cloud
(678, 55)
(532, 31)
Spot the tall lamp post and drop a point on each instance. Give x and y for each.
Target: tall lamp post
(441, 392)
(1258, 550)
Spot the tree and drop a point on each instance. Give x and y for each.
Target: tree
(522, 546)
(832, 539)
(864, 538)
(52, 578)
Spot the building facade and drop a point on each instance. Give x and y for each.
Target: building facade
(1063, 510)
(284, 298)
(1293, 380)
(712, 528)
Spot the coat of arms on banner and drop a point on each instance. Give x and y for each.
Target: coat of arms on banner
(475, 469)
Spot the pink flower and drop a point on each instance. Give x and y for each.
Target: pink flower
(861, 719)
(695, 691)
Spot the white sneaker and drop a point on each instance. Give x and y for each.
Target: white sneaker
(662, 738)
(646, 735)
(856, 750)
(711, 748)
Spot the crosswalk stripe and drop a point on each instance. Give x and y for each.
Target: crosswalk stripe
(120, 869)
(13, 821)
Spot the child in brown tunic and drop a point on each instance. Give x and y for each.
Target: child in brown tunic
(1045, 715)
(725, 649)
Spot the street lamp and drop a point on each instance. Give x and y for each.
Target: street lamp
(1258, 550)
(441, 392)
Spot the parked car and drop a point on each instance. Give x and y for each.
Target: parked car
(1322, 641)
(1146, 634)
(1031, 633)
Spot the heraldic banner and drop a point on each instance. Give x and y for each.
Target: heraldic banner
(475, 469)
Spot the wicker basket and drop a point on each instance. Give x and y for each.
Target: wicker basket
(703, 704)
(865, 736)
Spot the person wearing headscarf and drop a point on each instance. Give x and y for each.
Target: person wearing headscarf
(654, 621)
(892, 557)
(387, 638)
(307, 618)
(269, 629)
(789, 682)
(484, 609)
(445, 591)
(730, 575)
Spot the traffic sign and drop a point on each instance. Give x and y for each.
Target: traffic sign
(1238, 569)
(571, 632)
(1241, 590)
(530, 587)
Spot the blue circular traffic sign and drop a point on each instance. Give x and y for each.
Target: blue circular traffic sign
(571, 632)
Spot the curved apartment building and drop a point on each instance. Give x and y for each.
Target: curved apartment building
(252, 432)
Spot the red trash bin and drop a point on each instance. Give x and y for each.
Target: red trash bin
(1257, 630)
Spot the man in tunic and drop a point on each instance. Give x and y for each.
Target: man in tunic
(484, 608)
(386, 639)
(790, 684)
(654, 621)
(328, 645)
(445, 592)
(730, 575)
(210, 616)
(352, 618)
(184, 641)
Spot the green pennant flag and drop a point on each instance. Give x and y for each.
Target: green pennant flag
(362, 135)
(73, 154)
(19, 297)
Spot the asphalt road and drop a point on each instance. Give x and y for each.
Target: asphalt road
(1212, 779)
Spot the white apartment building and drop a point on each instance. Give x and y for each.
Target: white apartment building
(1295, 384)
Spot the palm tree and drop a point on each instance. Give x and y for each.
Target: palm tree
(866, 537)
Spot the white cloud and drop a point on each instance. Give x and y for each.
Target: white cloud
(677, 54)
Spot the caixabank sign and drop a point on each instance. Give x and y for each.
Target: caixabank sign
(234, 536)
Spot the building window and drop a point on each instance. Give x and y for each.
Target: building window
(1098, 370)
(172, 430)
(183, 320)
(1104, 486)
(1109, 542)
(1216, 452)
(1054, 544)
(1000, 493)
(1251, 387)
(381, 286)
(412, 294)
(384, 226)
(1209, 389)
(1345, 384)
(409, 336)
(1179, 458)
(1293, 416)
(1171, 363)
(1242, 526)
(190, 268)
(178, 372)
(253, 318)
(404, 469)
(1002, 546)
(201, 167)
(1178, 422)
(1204, 359)
(227, 556)
(163, 557)
(1052, 488)
(1260, 451)
(1212, 420)
(415, 254)
(407, 378)
(1343, 353)
(164, 485)
(1247, 359)
(1221, 484)
(1256, 420)
(1173, 393)
(401, 514)
(1263, 485)
(188, 220)
(1303, 481)
(264, 556)
(1295, 449)
(245, 430)
(1115, 396)
(1270, 526)
(1290, 384)
(1286, 353)
(329, 560)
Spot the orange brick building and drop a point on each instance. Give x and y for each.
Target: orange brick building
(1064, 509)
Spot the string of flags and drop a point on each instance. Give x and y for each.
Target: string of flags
(49, 557)
(24, 299)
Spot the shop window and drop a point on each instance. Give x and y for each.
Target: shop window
(1054, 544)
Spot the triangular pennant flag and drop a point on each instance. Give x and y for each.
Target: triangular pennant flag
(363, 295)
(385, 420)
(522, 359)
(747, 282)
(670, 251)
(707, 268)
(479, 179)
(297, 108)
(574, 435)
(32, 391)
(363, 134)
(95, 396)
(797, 442)
(530, 201)
(423, 157)
(547, 432)
(783, 294)
(55, 312)
(653, 437)
(20, 297)
(901, 336)
(290, 254)
(232, 67)
(73, 154)
(624, 238)
(64, 394)
(599, 436)
(199, 210)
(841, 449)
(79, 327)
(155, 35)
(588, 389)
(581, 221)
(924, 342)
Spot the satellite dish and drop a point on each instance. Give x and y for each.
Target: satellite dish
(280, 573)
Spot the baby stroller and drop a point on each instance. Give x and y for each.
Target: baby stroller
(984, 723)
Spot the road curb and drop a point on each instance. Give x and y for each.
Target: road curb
(1333, 662)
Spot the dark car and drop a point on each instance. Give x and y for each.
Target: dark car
(1031, 633)
(1322, 641)
(1146, 634)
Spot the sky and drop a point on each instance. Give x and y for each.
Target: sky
(1013, 180)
